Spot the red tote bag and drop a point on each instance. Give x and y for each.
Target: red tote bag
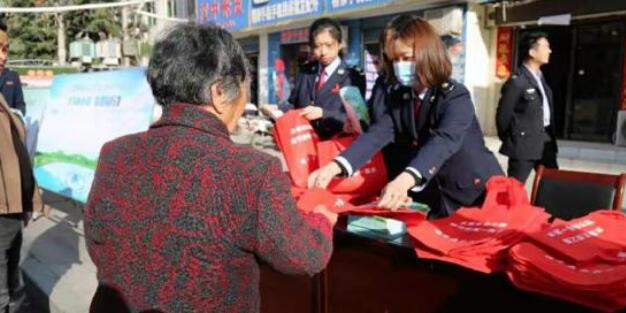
(369, 180)
(297, 139)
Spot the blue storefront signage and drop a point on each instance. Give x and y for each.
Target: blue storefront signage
(270, 11)
(339, 5)
(229, 14)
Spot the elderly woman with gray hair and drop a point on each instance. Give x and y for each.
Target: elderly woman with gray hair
(179, 217)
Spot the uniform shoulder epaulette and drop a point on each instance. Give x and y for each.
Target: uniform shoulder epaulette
(357, 69)
(447, 87)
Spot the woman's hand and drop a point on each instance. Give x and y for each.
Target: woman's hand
(395, 194)
(322, 176)
(312, 112)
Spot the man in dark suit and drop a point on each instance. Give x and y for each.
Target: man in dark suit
(525, 118)
(10, 84)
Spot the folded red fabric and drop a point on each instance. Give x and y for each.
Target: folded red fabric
(304, 153)
(478, 238)
(582, 261)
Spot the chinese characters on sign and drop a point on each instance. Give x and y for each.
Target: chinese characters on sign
(276, 10)
(333, 5)
(294, 36)
(503, 52)
(229, 14)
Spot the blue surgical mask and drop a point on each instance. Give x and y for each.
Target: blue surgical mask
(405, 72)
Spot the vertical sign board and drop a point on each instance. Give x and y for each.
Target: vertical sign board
(83, 112)
(623, 96)
(504, 50)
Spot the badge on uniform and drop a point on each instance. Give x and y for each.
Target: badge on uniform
(406, 96)
(341, 71)
(9, 83)
(531, 90)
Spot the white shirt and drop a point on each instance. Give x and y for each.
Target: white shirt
(329, 69)
(546, 104)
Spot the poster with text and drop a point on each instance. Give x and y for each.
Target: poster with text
(83, 112)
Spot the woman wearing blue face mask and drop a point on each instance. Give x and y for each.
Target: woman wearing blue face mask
(430, 121)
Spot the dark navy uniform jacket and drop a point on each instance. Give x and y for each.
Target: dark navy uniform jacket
(304, 93)
(11, 89)
(519, 117)
(443, 141)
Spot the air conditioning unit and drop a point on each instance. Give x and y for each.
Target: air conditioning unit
(620, 129)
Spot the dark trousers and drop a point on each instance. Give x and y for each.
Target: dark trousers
(520, 169)
(11, 284)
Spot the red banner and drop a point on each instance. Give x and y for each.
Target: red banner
(504, 50)
(623, 98)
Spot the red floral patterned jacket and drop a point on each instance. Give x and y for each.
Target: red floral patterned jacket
(179, 216)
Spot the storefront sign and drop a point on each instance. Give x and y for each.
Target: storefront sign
(229, 14)
(335, 5)
(504, 51)
(290, 36)
(83, 112)
(276, 10)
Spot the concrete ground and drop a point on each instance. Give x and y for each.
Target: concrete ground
(55, 258)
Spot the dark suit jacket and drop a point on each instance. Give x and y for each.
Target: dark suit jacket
(519, 117)
(444, 141)
(179, 217)
(328, 98)
(11, 89)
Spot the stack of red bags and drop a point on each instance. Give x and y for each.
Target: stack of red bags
(304, 153)
(582, 260)
(478, 238)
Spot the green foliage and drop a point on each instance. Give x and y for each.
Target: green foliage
(42, 159)
(34, 36)
(31, 36)
(96, 24)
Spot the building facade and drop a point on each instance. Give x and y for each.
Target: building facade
(586, 69)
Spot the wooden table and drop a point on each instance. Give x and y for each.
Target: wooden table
(380, 276)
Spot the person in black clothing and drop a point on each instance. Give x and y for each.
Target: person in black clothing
(10, 84)
(525, 118)
(427, 116)
(317, 85)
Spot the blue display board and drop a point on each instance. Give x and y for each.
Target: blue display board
(271, 11)
(340, 5)
(83, 112)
